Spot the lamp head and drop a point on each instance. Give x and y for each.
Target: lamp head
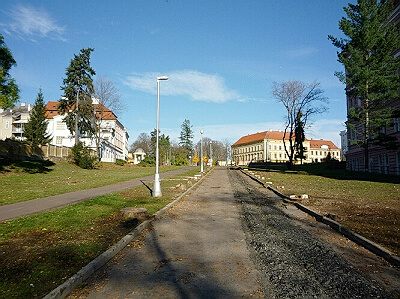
(201, 131)
(162, 78)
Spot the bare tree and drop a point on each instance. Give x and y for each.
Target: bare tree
(108, 95)
(301, 101)
(143, 141)
(227, 146)
(107, 103)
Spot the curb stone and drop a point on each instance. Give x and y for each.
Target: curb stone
(77, 279)
(356, 238)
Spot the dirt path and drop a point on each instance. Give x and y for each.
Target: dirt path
(197, 250)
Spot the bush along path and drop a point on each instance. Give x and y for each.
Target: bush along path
(292, 263)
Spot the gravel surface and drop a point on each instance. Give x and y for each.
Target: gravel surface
(292, 263)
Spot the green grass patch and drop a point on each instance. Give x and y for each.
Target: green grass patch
(25, 180)
(41, 251)
(367, 203)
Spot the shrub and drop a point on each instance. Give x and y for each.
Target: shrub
(120, 162)
(148, 161)
(331, 162)
(82, 156)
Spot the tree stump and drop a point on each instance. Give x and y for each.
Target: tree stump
(140, 214)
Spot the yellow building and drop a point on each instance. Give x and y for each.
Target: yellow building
(269, 146)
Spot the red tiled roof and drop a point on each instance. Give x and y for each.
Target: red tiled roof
(278, 135)
(52, 110)
(275, 135)
(319, 143)
(106, 113)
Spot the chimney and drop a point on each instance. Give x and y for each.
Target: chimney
(23, 104)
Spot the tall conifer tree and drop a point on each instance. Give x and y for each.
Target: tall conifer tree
(371, 76)
(35, 129)
(186, 137)
(78, 91)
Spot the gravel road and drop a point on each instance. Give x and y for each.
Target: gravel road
(292, 263)
(229, 239)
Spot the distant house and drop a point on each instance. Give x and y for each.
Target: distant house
(137, 157)
(12, 121)
(268, 146)
(113, 136)
(320, 149)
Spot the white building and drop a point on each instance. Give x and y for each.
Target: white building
(137, 157)
(12, 121)
(113, 143)
(344, 144)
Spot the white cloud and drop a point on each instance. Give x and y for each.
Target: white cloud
(301, 52)
(28, 21)
(196, 85)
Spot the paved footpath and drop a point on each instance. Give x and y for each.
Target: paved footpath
(196, 250)
(52, 202)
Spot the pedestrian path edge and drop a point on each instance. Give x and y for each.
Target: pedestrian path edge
(74, 281)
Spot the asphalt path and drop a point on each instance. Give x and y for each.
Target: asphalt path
(34, 206)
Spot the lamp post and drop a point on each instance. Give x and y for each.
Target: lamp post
(201, 151)
(157, 184)
(211, 159)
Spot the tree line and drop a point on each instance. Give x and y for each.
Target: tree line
(184, 152)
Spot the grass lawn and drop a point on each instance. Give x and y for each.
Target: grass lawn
(369, 204)
(41, 251)
(27, 180)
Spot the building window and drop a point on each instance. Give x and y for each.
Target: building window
(59, 139)
(396, 122)
(61, 125)
(398, 163)
(7, 124)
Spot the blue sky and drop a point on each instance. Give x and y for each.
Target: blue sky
(221, 58)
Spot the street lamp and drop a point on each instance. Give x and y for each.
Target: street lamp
(201, 151)
(157, 184)
(211, 159)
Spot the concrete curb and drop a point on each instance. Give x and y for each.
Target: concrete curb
(74, 281)
(356, 238)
